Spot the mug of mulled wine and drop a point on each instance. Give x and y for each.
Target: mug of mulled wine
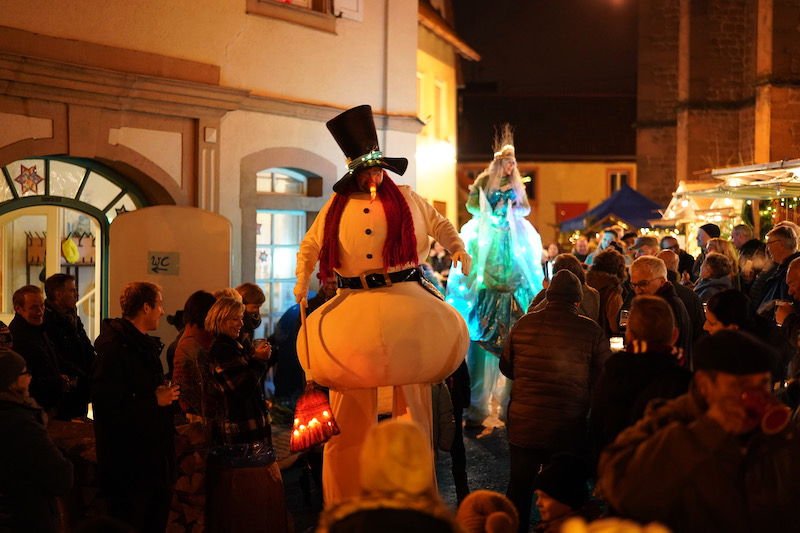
(766, 411)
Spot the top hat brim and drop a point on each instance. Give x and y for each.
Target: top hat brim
(347, 183)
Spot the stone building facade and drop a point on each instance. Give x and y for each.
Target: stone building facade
(718, 85)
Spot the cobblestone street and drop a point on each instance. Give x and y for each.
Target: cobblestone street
(487, 468)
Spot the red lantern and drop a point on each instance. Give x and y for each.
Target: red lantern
(313, 417)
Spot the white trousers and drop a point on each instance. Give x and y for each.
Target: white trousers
(356, 411)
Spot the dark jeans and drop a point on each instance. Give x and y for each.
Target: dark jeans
(146, 509)
(525, 465)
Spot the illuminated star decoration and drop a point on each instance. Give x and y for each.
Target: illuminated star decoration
(263, 257)
(121, 210)
(28, 179)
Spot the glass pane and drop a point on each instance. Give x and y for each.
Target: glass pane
(264, 182)
(285, 262)
(288, 185)
(65, 178)
(23, 258)
(282, 298)
(99, 191)
(287, 228)
(263, 227)
(27, 176)
(263, 263)
(5, 190)
(125, 205)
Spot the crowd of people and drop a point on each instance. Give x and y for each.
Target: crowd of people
(50, 369)
(688, 420)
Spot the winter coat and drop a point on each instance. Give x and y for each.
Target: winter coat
(554, 357)
(692, 303)
(34, 471)
(708, 287)
(32, 343)
(629, 381)
(610, 289)
(135, 436)
(75, 350)
(679, 467)
(240, 379)
(682, 322)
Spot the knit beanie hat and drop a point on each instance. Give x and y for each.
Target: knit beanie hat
(397, 457)
(487, 511)
(11, 366)
(564, 287)
(564, 480)
(733, 352)
(712, 230)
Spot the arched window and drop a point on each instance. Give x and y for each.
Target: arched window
(54, 217)
(278, 236)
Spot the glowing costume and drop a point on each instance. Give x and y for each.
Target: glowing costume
(506, 274)
(374, 332)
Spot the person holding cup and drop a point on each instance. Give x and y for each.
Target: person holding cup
(711, 460)
(133, 415)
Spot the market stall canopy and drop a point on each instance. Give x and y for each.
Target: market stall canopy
(625, 205)
(779, 179)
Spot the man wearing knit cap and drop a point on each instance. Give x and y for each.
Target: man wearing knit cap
(705, 233)
(34, 471)
(723, 457)
(554, 357)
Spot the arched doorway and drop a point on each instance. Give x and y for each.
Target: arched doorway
(74, 199)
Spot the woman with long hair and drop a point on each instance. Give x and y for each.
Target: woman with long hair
(505, 276)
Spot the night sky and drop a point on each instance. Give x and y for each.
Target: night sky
(562, 72)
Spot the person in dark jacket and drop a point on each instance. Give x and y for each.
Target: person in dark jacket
(33, 472)
(133, 416)
(703, 461)
(646, 370)
(771, 284)
(554, 357)
(752, 254)
(50, 376)
(685, 259)
(590, 303)
(705, 233)
(692, 303)
(65, 330)
(649, 276)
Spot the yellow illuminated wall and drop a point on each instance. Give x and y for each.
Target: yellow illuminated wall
(436, 107)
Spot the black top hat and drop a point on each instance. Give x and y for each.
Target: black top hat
(354, 132)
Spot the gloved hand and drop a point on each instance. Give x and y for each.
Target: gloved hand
(300, 291)
(463, 258)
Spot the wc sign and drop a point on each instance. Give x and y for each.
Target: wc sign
(163, 263)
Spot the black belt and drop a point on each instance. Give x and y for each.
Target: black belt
(377, 278)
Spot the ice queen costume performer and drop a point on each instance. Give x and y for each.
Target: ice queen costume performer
(383, 327)
(506, 275)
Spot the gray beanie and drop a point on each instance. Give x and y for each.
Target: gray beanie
(564, 287)
(11, 366)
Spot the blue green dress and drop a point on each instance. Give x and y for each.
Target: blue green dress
(506, 271)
